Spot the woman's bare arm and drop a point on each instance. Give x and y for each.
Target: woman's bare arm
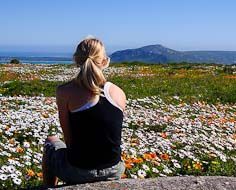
(63, 113)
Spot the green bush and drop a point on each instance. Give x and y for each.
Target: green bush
(15, 61)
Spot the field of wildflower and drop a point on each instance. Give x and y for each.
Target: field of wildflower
(180, 119)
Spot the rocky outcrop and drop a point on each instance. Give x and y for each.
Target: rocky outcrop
(162, 183)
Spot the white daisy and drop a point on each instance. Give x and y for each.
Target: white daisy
(17, 181)
(133, 176)
(177, 165)
(145, 167)
(155, 170)
(18, 173)
(11, 169)
(4, 168)
(26, 144)
(3, 177)
(141, 173)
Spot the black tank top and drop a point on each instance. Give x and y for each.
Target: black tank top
(96, 136)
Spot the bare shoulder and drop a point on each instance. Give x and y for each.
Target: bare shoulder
(63, 90)
(114, 89)
(118, 95)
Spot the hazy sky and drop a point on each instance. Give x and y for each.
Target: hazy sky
(59, 25)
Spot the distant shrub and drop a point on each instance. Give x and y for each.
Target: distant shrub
(15, 61)
(229, 70)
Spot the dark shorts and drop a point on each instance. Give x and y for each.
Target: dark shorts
(56, 161)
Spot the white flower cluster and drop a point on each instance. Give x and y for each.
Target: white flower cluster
(150, 125)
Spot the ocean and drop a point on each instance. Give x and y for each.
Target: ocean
(37, 58)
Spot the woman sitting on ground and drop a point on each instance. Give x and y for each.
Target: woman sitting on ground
(91, 116)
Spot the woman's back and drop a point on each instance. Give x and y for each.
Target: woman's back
(96, 133)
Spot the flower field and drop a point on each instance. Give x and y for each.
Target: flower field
(173, 134)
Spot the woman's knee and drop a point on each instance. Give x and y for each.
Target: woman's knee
(51, 139)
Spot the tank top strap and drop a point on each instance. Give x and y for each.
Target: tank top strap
(107, 95)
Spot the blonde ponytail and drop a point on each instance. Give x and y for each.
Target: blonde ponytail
(90, 57)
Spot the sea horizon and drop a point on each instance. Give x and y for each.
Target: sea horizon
(37, 57)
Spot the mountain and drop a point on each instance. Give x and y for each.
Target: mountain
(160, 54)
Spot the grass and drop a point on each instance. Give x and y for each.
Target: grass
(30, 88)
(190, 89)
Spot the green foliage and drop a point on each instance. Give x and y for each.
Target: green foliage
(207, 88)
(14, 61)
(30, 88)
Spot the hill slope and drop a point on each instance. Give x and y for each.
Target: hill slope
(160, 54)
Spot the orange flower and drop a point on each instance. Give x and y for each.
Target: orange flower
(231, 119)
(165, 156)
(234, 136)
(19, 150)
(40, 174)
(164, 135)
(230, 76)
(12, 141)
(223, 120)
(30, 173)
(147, 156)
(128, 165)
(137, 160)
(153, 155)
(197, 166)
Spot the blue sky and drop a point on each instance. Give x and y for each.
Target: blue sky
(58, 25)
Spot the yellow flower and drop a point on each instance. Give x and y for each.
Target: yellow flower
(45, 115)
(215, 162)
